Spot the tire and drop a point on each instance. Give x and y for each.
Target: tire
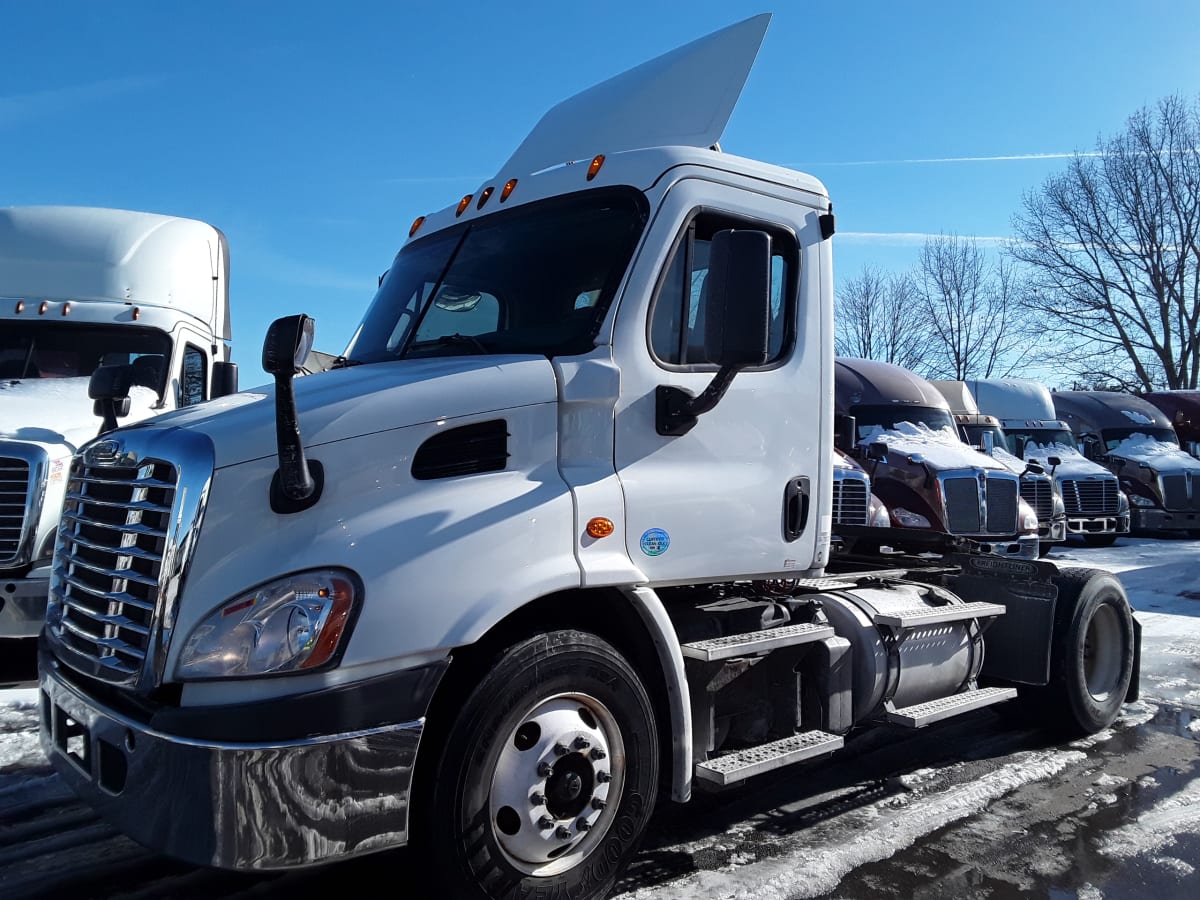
(515, 779)
(1099, 540)
(1092, 653)
(1044, 549)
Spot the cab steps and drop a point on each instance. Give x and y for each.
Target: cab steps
(754, 642)
(923, 714)
(739, 765)
(918, 616)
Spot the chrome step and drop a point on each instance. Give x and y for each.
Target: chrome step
(732, 645)
(742, 764)
(932, 615)
(943, 708)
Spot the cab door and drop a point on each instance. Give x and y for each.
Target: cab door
(744, 491)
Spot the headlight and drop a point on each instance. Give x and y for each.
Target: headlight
(1028, 518)
(909, 519)
(296, 623)
(1139, 500)
(1058, 508)
(1122, 502)
(879, 517)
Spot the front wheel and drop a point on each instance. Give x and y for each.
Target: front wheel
(548, 776)
(1099, 540)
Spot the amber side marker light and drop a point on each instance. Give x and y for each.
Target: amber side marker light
(507, 189)
(462, 205)
(600, 527)
(42, 309)
(66, 309)
(417, 223)
(483, 198)
(136, 312)
(20, 306)
(597, 162)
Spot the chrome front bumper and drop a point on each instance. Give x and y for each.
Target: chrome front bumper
(1098, 524)
(1024, 547)
(246, 806)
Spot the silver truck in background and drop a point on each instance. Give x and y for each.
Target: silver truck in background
(985, 433)
(1097, 509)
(141, 294)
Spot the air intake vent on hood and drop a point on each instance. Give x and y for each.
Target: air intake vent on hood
(480, 447)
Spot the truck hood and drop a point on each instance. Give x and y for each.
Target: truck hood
(942, 449)
(1072, 463)
(57, 412)
(346, 403)
(1160, 456)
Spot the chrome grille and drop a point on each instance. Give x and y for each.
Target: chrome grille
(1176, 493)
(962, 505)
(14, 496)
(851, 497)
(1039, 493)
(1091, 497)
(108, 562)
(1001, 506)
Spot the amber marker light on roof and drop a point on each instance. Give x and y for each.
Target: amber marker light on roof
(600, 527)
(462, 205)
(66, 309)
(507, 189)
(483, 198)
(20, 306)
(136, 312)
(42, 309)
(417, 223)
(597, 162)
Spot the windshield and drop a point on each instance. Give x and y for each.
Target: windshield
(1021, 440)
(1113, 437)
(870, 420)
(537, 279)
(46, 349)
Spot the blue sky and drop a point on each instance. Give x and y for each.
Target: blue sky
(313, 133)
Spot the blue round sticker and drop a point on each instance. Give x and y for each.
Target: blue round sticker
(655, 542)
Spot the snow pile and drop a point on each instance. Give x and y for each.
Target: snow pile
(1156, 453)
(1158, 827)
(59, 411)
(1039, 451)
(1137, 417)
(942, 448)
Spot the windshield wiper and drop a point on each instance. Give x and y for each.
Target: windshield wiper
(344, 362)
(451, 340)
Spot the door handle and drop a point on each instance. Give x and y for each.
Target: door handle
(795, 507)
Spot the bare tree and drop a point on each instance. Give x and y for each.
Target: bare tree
(878, 316)
(973, 311)
(1114, 244)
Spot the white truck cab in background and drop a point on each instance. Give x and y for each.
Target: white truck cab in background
(80, 288)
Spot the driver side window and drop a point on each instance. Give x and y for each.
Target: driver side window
(677, 317)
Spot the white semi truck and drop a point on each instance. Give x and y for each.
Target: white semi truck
(142, 293)
(1097, 509)
(551, 540)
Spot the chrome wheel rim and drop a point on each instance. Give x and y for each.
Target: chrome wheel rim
(1102, 653)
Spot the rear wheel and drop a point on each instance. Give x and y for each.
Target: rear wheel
(547, 777)
(1092, 654)
(1099, 540)
(1045, 547)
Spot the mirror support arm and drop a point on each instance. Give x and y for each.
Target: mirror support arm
(677, 409)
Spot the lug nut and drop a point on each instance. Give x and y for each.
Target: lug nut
(561, 750)
(603, 778)
(545, 822)
(581, 743)
(582, 825)
(545, 770)
(597, 803)
(597, 753)
(563, 833)
(536, 798)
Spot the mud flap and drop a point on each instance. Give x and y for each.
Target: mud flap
(1135, 677)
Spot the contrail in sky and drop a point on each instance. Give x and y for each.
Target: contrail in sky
(950, 159)
(914, 237)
